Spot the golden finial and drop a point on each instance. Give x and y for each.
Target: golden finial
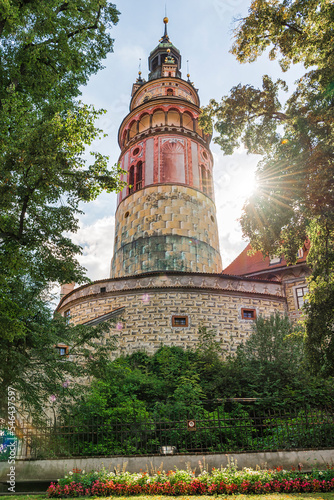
(166, 20)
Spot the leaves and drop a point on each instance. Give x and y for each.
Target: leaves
(295, 177)
(47, 50)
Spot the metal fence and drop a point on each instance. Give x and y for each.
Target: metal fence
(207, 427)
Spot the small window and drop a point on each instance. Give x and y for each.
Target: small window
(180, 321)
(62, 350)
(301, 291)
(300, 253)
(248, 314)
(170, 91)
(139, 175)
(274, 259)
(103, 289)
(135, 152)
(67, 315)
(131, 179)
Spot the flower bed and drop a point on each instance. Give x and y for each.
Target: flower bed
(225, 481)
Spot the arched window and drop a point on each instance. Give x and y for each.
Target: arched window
(198, 130)
(135, 177)
(173, 118)
(131, 179)
(188, 121)
(139, 175)
(158, 118)
(170, 92)
(144, 123)
(133, 130)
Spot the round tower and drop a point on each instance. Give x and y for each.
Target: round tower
(166, 215)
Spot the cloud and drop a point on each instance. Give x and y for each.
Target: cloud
(97, 241)
(233, 181)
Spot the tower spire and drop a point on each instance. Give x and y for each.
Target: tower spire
(165, 38)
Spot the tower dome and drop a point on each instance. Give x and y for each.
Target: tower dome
(164, 53)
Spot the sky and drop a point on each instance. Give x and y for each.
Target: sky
(203, 32)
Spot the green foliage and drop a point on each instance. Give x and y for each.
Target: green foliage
(294, 199)
(152, 397)
(48, 49)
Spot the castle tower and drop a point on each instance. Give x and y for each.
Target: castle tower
(166, 215)
(166, 278)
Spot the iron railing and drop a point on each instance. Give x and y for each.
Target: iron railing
(209, 427)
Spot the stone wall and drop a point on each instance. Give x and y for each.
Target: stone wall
(52, 470)
(291, 281)
(150, 303)
(166, 228)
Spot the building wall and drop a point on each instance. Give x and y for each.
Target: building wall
(291, 282)
(164, 228)
(151, 302)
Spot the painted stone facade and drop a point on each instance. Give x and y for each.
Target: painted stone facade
(163, 228)
(145, 307)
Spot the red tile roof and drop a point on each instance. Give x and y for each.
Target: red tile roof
(246, 264)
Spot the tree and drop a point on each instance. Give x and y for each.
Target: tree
(294, 198)
(272, 357)
(47, 50)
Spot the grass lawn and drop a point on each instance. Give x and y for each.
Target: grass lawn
(277, 496)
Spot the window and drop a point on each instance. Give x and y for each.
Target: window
(139, 175)
(300, 292)
(103, 289)
(300, 253)
(135, 177)
(170, 91)
(188, 121)
(67, 315)
(248, 314)
(131, 179)
(173, 118)
(144, 124)
(158, 119)
(274, 259)
(62, 350)
(179, 320)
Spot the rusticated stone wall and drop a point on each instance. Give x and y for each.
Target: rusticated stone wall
(151, 301)
(166, 228)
